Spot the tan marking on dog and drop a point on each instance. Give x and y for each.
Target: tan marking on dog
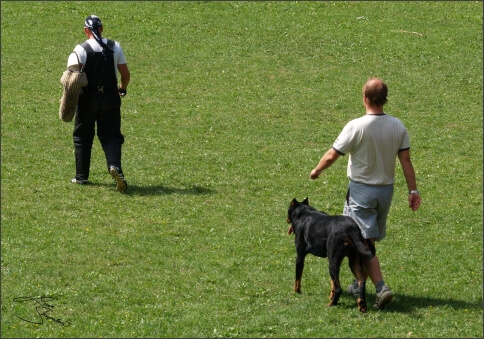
(361, 305)
(297, 286)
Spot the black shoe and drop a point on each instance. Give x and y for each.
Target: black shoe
(79, 181)
(121, 184)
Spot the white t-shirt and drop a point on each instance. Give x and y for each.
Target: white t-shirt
(118, 55)
(373, 142)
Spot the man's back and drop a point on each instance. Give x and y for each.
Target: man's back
(373, 142)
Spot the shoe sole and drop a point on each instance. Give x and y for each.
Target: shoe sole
(79, 182)
(121, 184)
(385, 299)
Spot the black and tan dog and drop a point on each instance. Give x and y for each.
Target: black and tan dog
(328, 236)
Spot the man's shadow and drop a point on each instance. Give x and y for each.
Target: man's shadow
(152, 190)
(167, 190)
(407, 303)
(403, 303)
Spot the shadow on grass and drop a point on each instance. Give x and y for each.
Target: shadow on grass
(165, 190)
(158, 189)
(406, 303)
(403, 303)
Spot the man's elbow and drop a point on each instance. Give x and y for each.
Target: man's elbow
(332, 155)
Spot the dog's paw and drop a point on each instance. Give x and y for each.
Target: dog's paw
(361, 305)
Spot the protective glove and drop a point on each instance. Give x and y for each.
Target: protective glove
(122, 92)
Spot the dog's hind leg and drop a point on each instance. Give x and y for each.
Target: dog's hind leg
(335, 290)
(335, 260)
(356, 266)
(299, 272)
(361, 301)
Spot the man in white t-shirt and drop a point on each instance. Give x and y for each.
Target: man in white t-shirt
(373, 143)
(99, 102)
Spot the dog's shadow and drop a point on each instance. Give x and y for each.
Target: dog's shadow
(403, 303)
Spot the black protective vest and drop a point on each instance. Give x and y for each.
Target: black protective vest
(100, 71)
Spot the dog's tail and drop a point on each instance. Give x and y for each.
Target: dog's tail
(357, 239)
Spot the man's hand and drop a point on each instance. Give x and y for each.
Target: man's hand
(122, 92)
(326, 161)
(414, 201)
(315, 174)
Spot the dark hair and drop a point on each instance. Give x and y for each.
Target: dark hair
(375, 91)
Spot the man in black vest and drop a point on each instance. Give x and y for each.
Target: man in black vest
(99, 102)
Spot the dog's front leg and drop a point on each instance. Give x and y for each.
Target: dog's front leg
(299, 272)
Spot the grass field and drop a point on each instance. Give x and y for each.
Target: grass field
(230, 106)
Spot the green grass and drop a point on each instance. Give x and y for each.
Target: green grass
(231, 105)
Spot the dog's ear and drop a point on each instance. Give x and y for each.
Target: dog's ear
(306, 201)
(294, 203)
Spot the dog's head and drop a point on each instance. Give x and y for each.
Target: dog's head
(290, 211)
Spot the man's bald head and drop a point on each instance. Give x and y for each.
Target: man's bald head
(375, 91)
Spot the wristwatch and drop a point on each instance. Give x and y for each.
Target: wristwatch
(414, 192)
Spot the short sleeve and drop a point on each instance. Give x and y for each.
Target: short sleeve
(346, 140)
(405, 141)
(81, 53)
(119, 54)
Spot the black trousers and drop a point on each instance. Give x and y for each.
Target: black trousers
(103, 109)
